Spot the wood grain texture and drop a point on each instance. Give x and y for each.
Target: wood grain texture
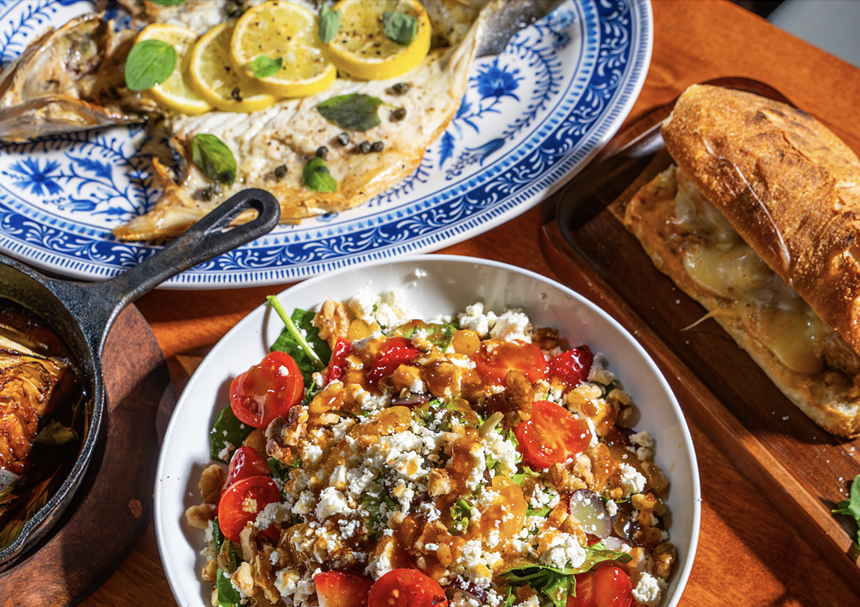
(749, 553)
(114, 502)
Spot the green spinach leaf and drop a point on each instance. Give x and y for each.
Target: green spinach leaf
(213, 158)
(301, 340)
(399, 27)
(228, 429)
(149, 62)
(353, 112)
(228, 595)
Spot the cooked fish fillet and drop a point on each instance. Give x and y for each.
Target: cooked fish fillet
(27, 383)
(290, 132)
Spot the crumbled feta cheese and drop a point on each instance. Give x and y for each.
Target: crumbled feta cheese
(381, 564)
(513, 324)
(649, 590)
(273, 513)
(599, 373)
(563, 551)
(631, 480)
(503, 451)
(305, 504)
(645, 445)
(532, 601)
(363, 304)
(331, 502)
(611, 508)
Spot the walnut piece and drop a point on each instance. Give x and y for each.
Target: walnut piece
(210, 483)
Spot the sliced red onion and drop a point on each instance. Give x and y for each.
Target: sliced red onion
(413, 400)
(591, 513)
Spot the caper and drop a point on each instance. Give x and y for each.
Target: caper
(364, 147)
(322, 152)
(401, 88)
(377, 146)
(236, 94)
(343, 138)
(398, 114)
(281, 172)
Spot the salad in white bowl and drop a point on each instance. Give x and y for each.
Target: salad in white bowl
(425, 432)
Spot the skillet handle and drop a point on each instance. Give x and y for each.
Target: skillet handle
(203, 241)
(97, 305)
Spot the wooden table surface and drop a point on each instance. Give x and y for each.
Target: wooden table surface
(748, 553)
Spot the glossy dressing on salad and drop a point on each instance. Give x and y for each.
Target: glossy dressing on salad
(376, 459)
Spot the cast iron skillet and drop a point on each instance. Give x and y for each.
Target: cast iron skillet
(81, 314)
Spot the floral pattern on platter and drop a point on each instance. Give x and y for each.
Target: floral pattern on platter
(530, 118)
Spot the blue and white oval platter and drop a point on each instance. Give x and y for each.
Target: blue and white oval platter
(531, 118)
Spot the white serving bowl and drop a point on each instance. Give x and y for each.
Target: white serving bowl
(433, 284)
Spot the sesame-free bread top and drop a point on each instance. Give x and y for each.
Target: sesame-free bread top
(787, 184)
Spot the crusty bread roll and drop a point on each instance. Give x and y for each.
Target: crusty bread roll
(789, 189)
(788, 185)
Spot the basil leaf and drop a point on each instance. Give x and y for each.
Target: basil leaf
(149, 62)
(317, 177)
(354, 112)
(228, 595)
(310, 352)
(55, 434)
(329, 24)
(264, 67)
(168, 2)
(228, 429)
(213, 158)
(400, 27)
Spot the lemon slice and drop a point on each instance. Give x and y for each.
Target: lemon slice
(361, 48)
(281, 30)
(175, 93)
(217, 81)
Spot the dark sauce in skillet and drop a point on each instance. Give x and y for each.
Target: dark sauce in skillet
(38, 448)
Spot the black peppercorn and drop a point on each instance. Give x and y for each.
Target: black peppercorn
(236, 94)
(322, 152)
(343, 138)
(377, 146)
(364, 147)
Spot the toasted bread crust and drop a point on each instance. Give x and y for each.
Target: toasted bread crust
(788, 185)
(833, 406)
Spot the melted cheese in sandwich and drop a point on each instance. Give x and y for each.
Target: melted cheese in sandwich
(721, 266)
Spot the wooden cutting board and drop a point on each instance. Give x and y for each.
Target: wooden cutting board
(114, 503)
(799, 467)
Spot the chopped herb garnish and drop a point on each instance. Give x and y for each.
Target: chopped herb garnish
(851, 506)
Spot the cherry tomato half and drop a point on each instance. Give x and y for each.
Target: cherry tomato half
(572, 367)
(496, 358)
(406, 588)
(552, 435)
(338, 359)
(241, 502)
(608, 586)
(339, 589)
(246, 462)
(267, 390)
(395, 351)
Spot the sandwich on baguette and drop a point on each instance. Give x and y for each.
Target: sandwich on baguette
(758, 221)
